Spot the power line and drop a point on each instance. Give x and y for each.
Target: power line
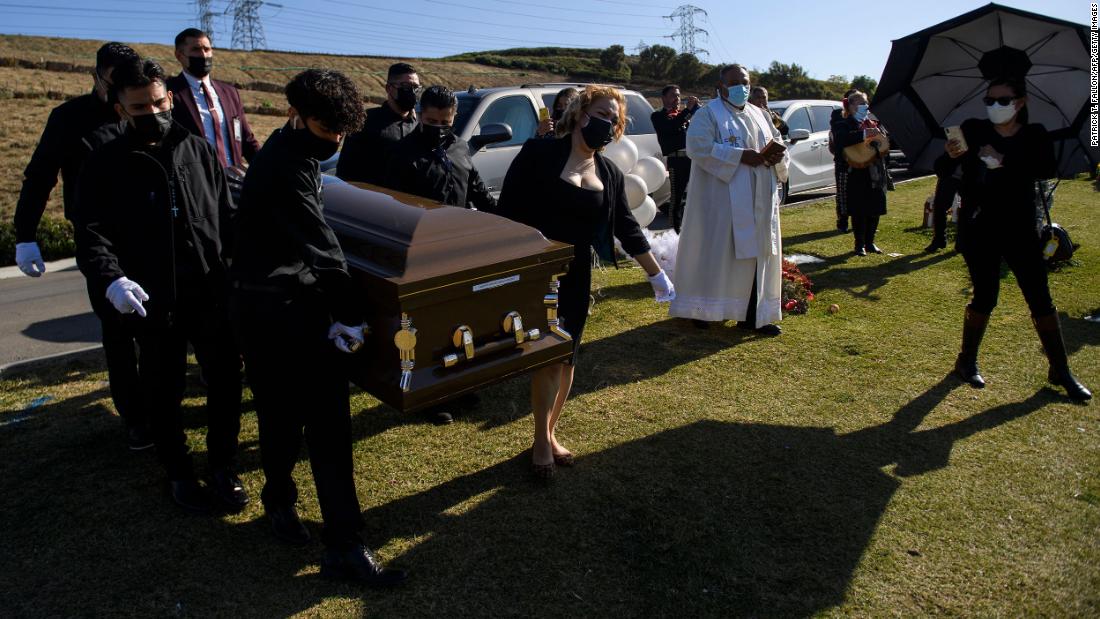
(688, 30)
(206, 17)
(556, 19)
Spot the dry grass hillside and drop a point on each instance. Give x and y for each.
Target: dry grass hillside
(37, 73)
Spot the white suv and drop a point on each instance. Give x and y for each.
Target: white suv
(811, 164)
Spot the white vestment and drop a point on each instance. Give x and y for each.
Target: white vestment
(730, 233)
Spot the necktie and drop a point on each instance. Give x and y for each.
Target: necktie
(219, 146)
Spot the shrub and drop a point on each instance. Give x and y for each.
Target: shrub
(55, 240)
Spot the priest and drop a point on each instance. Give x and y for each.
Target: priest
(729, 261)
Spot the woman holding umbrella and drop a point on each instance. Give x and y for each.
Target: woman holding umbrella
(1000, 159)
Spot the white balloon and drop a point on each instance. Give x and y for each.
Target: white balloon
(624, 153)
(646, 213)
(652, 172)
(635, 190)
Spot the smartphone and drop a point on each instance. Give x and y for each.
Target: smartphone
(544, 114)
(955, 133)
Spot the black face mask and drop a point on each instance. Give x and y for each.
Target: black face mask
(556, 114)
(314, 146)
(151, 128)
(434, 136)
(598, 133)
(406, 98)
(199, 66)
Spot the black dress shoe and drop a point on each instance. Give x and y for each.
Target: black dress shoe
(936, 245)
(287, 526)
(874, 249)
(138, 437)
(770, 330)
(228, 489)
(359, 565)
(860, 251)
(188, 494)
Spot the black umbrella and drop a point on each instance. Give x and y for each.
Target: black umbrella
(937, 77)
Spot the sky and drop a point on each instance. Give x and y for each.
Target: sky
(827, 37)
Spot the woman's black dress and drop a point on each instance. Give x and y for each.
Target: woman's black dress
(578, 223)
(866, 187)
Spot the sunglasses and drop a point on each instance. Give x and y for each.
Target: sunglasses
(998, 100)
(415, 89)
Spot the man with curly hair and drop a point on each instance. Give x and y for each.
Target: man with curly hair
(295, 311)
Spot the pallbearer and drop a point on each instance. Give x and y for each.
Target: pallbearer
(296, 315)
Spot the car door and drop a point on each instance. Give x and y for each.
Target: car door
(518, 112)
(820, 115)
(805, 162)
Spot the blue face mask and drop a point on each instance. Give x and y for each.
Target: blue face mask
(861, 113)
(737, 94)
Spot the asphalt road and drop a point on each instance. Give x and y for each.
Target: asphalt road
(44, 316)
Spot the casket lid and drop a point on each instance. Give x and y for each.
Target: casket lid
(407, 238)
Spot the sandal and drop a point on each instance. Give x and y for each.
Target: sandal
(543, 472)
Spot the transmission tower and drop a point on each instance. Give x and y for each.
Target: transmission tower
(248, 32)
(640, 47)
(206, 17)
(686, 32)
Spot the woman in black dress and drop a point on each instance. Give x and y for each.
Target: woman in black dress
(1000, 163)
(865, 186)
(567, 190)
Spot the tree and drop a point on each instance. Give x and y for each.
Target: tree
(866, 84)
(613, 58)
(686, 70)
(656, 61)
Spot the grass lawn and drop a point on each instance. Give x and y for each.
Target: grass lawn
(835, 470)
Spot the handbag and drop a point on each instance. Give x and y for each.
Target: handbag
(1057, 246)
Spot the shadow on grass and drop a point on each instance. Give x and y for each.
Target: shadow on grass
(711, 518)
(861, 278)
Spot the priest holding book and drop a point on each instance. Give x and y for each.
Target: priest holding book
(729, 262)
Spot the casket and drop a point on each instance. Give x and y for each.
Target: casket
(455, 299)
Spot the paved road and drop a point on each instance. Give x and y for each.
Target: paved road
(45, 315)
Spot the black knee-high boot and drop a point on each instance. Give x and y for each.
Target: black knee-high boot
(1050, 334)
(966, 364)
(869, 234)
(859, 224)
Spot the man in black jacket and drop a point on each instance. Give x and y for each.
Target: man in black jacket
(155, 214)
(435, 163)
(73, 130)
(294, 306)
(671, 125)
(365, 152)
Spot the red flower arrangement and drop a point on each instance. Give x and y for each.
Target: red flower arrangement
(797, 289)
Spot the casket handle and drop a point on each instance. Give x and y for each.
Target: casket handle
(513, 323)
(490, 348)
(464, 338)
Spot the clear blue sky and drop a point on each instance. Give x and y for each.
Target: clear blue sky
(829, 37)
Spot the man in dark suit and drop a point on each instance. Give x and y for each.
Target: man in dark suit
(206, 107)
(365, 152)
(671, 124)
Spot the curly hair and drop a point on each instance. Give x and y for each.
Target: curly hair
(328, 97)
(579, 105)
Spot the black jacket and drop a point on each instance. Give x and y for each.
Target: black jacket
(671, 129)
(525, 196)
(364, 155)
(1000, 203)
(285, 248)
(447, 175)
(161, 216)
(61, 148)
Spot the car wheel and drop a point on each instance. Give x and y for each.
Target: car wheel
(784, 189)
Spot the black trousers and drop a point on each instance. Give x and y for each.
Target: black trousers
(840, 173)
(864, 228)
(679, 173)
(162, 343)
(119, 347)
(1025, 259)
(300, 385)
(944, 196)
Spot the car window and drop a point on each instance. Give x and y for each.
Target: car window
(548, 100)
(515, 111)
(820, 117)
(800, 119)
(466, 107)
(780, 110)
(637, 115)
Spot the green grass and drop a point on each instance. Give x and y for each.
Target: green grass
(835, 470)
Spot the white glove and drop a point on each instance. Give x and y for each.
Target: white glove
(662, 287)
(347, 339)
(127, 296)
(27, 256)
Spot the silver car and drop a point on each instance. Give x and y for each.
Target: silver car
(517, 107)
(811, 165)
